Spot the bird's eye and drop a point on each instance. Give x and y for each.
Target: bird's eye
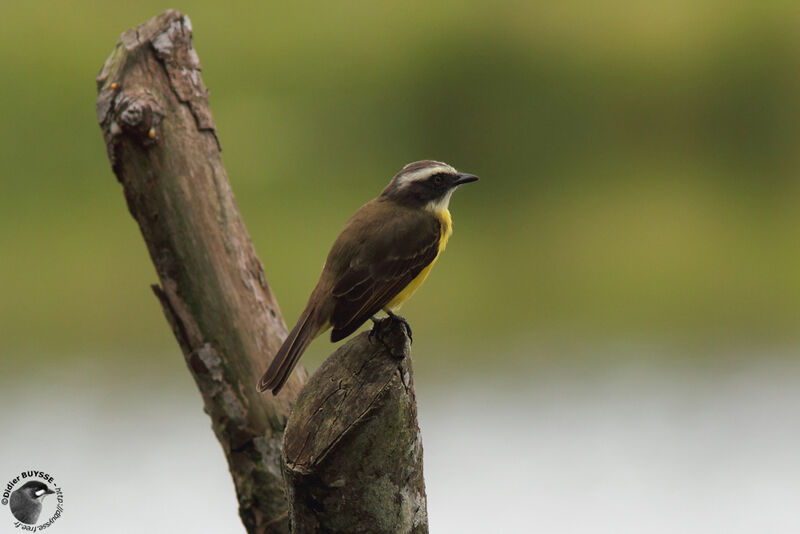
(438, 180)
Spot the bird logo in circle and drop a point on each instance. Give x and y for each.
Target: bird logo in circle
(26, 502)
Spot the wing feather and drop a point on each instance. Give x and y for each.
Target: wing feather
(382, 271)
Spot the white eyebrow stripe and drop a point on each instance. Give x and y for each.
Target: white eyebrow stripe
(421, 174)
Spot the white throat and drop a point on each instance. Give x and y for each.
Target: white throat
(440, 204)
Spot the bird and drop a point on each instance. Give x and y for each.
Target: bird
(26, 502)
(380, 258)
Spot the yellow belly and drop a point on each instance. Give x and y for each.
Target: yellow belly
(405, 294)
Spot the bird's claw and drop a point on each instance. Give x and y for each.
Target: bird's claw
(377, 332)
(396, 318)
(374, 332)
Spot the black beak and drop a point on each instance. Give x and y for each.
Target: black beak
(464, 178)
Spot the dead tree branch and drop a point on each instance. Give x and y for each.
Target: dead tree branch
(153, 110)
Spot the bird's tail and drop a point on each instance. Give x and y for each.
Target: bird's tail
(293, 347)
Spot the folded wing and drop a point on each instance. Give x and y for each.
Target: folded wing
(381, 270)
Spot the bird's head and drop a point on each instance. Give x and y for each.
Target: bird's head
(426, 184)
(35, 490)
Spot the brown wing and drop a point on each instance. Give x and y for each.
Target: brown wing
(389, 258)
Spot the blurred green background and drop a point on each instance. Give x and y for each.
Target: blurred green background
(638, 163)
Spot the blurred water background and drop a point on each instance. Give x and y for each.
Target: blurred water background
(610, 343)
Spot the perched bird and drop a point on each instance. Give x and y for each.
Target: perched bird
(26, 502)
(380, 258)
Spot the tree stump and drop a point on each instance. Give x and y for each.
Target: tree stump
(352, 448)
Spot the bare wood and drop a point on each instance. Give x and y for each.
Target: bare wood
(153, 110)
(352, 447)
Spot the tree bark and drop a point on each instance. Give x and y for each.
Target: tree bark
(352, 447)
(161, 141)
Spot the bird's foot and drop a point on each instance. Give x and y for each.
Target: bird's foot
(386, 331)
(375, 332)
(396, 318)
